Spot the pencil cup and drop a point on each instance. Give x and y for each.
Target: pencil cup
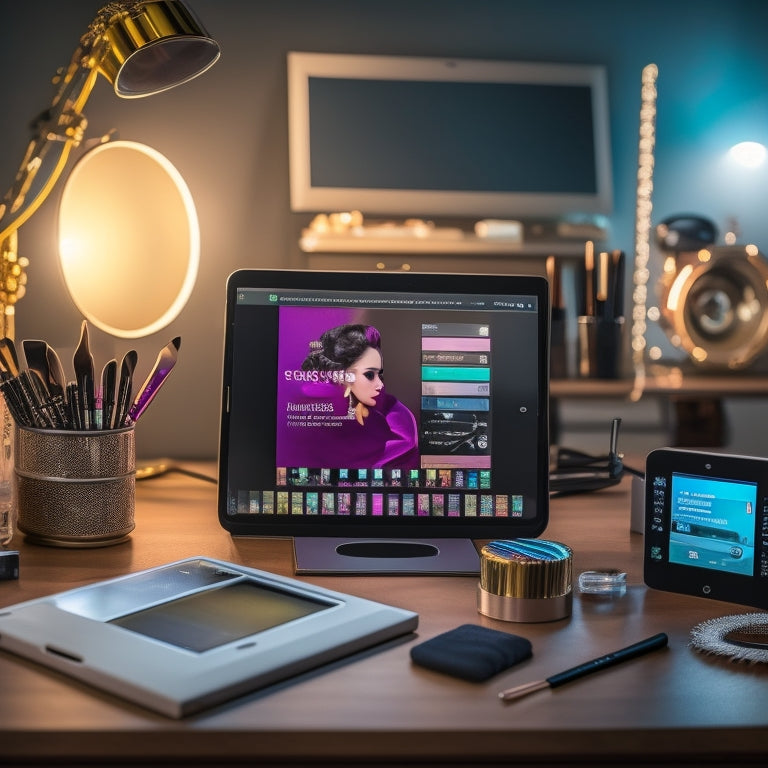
(600, 347)
(75, 489)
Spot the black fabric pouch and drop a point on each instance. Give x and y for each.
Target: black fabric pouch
(472, 652)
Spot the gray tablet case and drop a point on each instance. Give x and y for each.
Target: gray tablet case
(191, 634)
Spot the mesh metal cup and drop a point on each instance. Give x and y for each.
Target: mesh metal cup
(75, 489)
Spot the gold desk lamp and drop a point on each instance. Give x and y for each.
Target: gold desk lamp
(141, 47)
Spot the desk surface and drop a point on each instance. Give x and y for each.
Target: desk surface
(672, 706)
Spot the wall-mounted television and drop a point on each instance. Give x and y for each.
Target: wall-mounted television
(397, 135)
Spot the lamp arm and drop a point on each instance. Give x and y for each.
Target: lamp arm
(119, 29)
(114, 33)
(57, 131)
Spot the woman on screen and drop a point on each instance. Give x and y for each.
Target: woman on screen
(379, 430)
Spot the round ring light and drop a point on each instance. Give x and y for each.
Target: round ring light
(129, 239)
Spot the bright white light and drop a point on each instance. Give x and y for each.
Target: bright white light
(750, 154)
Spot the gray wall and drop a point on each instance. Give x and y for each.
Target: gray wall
(227, 134)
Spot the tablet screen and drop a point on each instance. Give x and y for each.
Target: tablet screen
(713, 523)
(208, 619)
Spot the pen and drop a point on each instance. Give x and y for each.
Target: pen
(73, 399)
(603, 662)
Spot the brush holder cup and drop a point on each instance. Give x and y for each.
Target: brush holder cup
(75, 489)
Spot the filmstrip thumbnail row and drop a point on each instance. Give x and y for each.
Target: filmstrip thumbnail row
(435, 504)
(458, 478)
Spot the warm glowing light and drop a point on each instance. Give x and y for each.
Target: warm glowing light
(749, 154)
(643, 210)
(699, 354)
(673, 298)
(129, 240)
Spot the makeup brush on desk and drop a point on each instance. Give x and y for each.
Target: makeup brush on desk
(603, 662)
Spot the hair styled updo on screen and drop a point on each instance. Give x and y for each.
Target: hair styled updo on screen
(339, 348)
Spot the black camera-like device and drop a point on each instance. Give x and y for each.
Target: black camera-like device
(706, 525)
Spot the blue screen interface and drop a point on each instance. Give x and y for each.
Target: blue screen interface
(713, 523)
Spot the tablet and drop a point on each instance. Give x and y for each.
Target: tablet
(194, 633)
(706, 525)
(385, 420)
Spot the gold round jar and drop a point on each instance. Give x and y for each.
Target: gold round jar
(525, 580)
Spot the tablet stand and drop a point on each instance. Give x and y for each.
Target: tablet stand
(326, 555)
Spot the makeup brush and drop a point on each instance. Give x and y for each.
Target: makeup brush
(38, 376)
(164, 364)
(595, 665)
(124, 388)
(83, 363)
(57, 381)
(8, 357)
(108, 393)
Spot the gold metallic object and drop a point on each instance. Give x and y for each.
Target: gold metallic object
(525, 580)
(142, 47)
(13, 282)
(714, 304)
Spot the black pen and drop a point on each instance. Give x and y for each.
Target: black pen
(9, 388)
(73, 403)
(603, 662)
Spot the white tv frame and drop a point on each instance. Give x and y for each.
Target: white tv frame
(305, 197)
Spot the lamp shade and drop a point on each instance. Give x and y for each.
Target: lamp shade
(142, 47)
(153, 46)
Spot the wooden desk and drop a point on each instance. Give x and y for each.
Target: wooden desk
(671, 707)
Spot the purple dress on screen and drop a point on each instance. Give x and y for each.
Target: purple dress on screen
(387, 439)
